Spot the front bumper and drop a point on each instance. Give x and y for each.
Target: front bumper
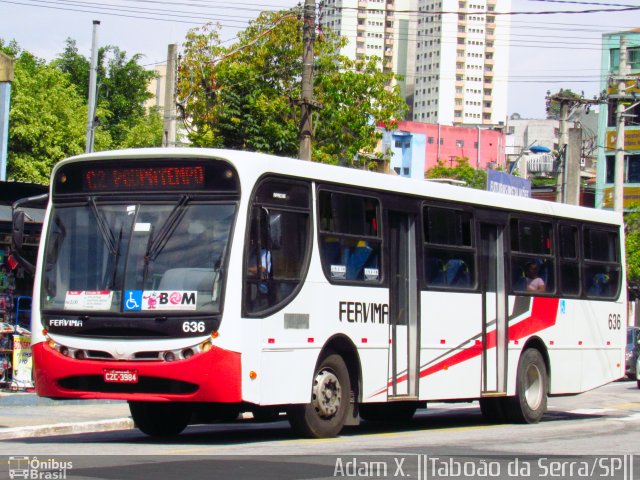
(212, 376)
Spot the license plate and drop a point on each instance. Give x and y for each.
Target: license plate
(120, 376)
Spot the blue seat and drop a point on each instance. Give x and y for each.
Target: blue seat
(599, 285)
(357, 261)
(457, 273)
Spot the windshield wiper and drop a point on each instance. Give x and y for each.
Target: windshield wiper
(159, 241)
(103, 226)
(113, 268)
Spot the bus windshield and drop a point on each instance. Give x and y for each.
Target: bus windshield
(136, 257)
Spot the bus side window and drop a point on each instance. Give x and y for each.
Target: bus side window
(532, 256)
(601, 266)
(449, 249)
(277, 246)
(350, 243)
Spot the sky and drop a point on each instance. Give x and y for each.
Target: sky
(548, 51)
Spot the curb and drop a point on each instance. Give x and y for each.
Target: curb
(28, 399)
(66, 428)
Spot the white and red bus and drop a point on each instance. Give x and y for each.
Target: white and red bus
(197, 284)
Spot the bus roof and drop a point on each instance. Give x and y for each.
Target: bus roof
(252, 165)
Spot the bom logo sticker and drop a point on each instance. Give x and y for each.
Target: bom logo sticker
(168, 300)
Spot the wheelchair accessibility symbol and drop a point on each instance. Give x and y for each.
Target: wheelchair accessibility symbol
(133, 300)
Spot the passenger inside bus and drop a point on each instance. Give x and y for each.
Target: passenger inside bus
(533, 280)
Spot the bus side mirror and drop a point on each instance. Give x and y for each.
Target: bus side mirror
(17, 240)
(17, 232)
(18, 219)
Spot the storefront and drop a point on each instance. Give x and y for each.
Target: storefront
(16, 286)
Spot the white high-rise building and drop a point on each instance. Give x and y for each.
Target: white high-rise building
(381, 28)
(462, 62)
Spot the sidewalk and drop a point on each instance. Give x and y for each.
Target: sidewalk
(25, 415)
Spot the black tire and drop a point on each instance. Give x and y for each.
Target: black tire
(638, 382)
(159, 419)
(388, 412)
(325, 415)
(494, 409)
(532, 387)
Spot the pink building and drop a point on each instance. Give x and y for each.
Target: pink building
(481, 146)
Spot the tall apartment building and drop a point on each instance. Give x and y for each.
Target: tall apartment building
(462, 62)
(381, 28)
(607, 128)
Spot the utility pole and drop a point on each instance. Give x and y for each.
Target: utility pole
(618, 178)
(6, 77)
(571, 191)
(567, 102)
(562, 141)
(169, 125)
(307, 103)
(93, 74)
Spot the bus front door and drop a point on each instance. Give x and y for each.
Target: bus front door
(494, 314)
(403, 307)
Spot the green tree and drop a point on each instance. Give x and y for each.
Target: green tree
(75, 65)
(462, 171)
(632, 244)
(122, 90)
(47, 119)
(147, 132)
(247, 95)
(553, 106)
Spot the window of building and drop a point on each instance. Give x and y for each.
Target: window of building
(631, 168)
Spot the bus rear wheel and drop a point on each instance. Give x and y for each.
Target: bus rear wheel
(325, 415)
(160, 419)
(532, 387)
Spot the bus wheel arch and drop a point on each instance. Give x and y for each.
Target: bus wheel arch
(532, 384)
(334, 388)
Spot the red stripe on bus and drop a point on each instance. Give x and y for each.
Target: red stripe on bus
(543, 315)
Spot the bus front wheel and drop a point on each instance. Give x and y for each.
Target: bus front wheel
(532, 387)
(325, 415)
(160, 419)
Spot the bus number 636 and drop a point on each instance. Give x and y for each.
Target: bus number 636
(615, 323)
(193, 327)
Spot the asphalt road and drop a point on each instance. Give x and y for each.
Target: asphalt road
(604, 423)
